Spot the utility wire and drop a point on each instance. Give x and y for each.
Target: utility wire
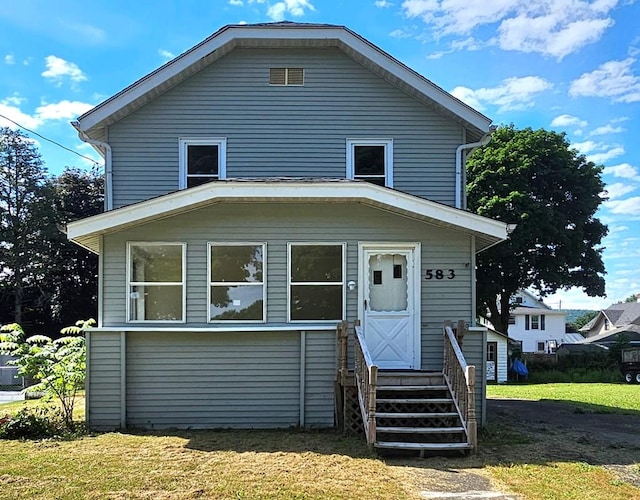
(51, 141)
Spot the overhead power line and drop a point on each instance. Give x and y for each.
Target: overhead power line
(50, 140)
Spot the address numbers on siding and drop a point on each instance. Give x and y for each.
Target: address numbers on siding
(439, 274)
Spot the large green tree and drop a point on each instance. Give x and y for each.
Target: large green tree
(535, 179)
(27, 224)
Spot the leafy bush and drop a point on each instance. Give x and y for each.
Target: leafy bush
(59, 365)
(33, 423)
(584, 375)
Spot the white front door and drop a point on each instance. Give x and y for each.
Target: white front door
(390, 304)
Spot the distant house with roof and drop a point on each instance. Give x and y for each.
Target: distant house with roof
(536, 326)
(614, 323)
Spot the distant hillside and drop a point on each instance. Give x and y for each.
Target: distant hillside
(573, 314)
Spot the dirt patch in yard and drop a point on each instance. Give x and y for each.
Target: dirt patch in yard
(532, 432)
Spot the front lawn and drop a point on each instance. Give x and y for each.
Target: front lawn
(603, 398)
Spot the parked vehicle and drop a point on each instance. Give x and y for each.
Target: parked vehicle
(630, 365)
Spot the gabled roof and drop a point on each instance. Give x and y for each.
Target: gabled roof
(619, 315)
(272, 35)
(86, 232)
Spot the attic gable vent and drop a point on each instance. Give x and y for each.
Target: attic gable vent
(286, 76)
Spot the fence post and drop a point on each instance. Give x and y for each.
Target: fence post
(472, 423)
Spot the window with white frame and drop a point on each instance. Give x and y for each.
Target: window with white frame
(156, 281)
(202, 160)
(540, 347)
(370, 160)
(236, 282)
(316, 281)
(535, 322)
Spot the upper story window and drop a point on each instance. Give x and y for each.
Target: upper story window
(286, 76)
(156, 281)
(236, 282)
(370, 160)
(202, 160)
(534, 322)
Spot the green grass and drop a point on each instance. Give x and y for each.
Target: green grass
(602, 398)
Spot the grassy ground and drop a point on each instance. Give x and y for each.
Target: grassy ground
(607, 398)
(535, 462)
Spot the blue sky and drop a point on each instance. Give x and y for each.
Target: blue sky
(566, 65)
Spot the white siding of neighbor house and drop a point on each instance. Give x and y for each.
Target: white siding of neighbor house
(284, 130)
(503, 360)
(555, 325)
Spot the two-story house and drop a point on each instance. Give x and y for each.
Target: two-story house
(538, 327)
(617, 322)
(261, 188)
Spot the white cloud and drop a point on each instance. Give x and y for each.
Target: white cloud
(58, 69)
(166, 54)
(549, 27)
(236, 3)
(568, 121)
(605, 156)
(607, 129)
(296, 8)
(383, 4)
(513, 94)
(613, 79)
(399, 34)
(630, 206)
(618, 190)
(63, 110)
(624, 171)
(587, 146)
(9, 59)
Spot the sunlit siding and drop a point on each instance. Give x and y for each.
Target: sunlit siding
(281, 130)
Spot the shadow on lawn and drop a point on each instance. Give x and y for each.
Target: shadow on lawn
(294, 440)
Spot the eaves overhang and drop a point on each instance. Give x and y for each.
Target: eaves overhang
(87, 232)
(278, 35)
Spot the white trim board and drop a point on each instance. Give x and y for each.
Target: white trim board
(488, 231)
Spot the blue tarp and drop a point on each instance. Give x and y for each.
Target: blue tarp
(519, 367)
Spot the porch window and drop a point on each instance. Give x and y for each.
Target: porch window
(316, 281)
(370, 160)
(236, 282)
(202, 160)
(155, 282)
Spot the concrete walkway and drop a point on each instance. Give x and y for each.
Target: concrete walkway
(9, 396)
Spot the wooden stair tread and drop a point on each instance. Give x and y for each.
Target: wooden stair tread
(414, 400)
(420, 430)
(412, 388)
(415, 415)
(422, 446)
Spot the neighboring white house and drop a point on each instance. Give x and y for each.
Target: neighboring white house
(537, 326)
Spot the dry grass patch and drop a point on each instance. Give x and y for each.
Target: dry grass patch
(229, 464)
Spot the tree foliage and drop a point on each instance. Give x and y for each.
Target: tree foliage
(45, 280)
(58, 365)
(533, 178)
(584, 319)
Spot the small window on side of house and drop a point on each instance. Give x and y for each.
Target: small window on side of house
(286, 76)
(535, 322)
(370, 160)
(540, 346)
(512, 319)
(202, 160)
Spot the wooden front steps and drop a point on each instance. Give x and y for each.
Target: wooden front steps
(415, 411)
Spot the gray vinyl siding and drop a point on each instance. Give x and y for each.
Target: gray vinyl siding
(104, 387)
(213, 380)
(320, 372)
(284, 131)
(277, 224)
(474, 348)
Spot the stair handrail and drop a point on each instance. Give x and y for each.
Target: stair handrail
(460, 377)
(366, 375)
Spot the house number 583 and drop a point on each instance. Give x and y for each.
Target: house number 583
(439, 274)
